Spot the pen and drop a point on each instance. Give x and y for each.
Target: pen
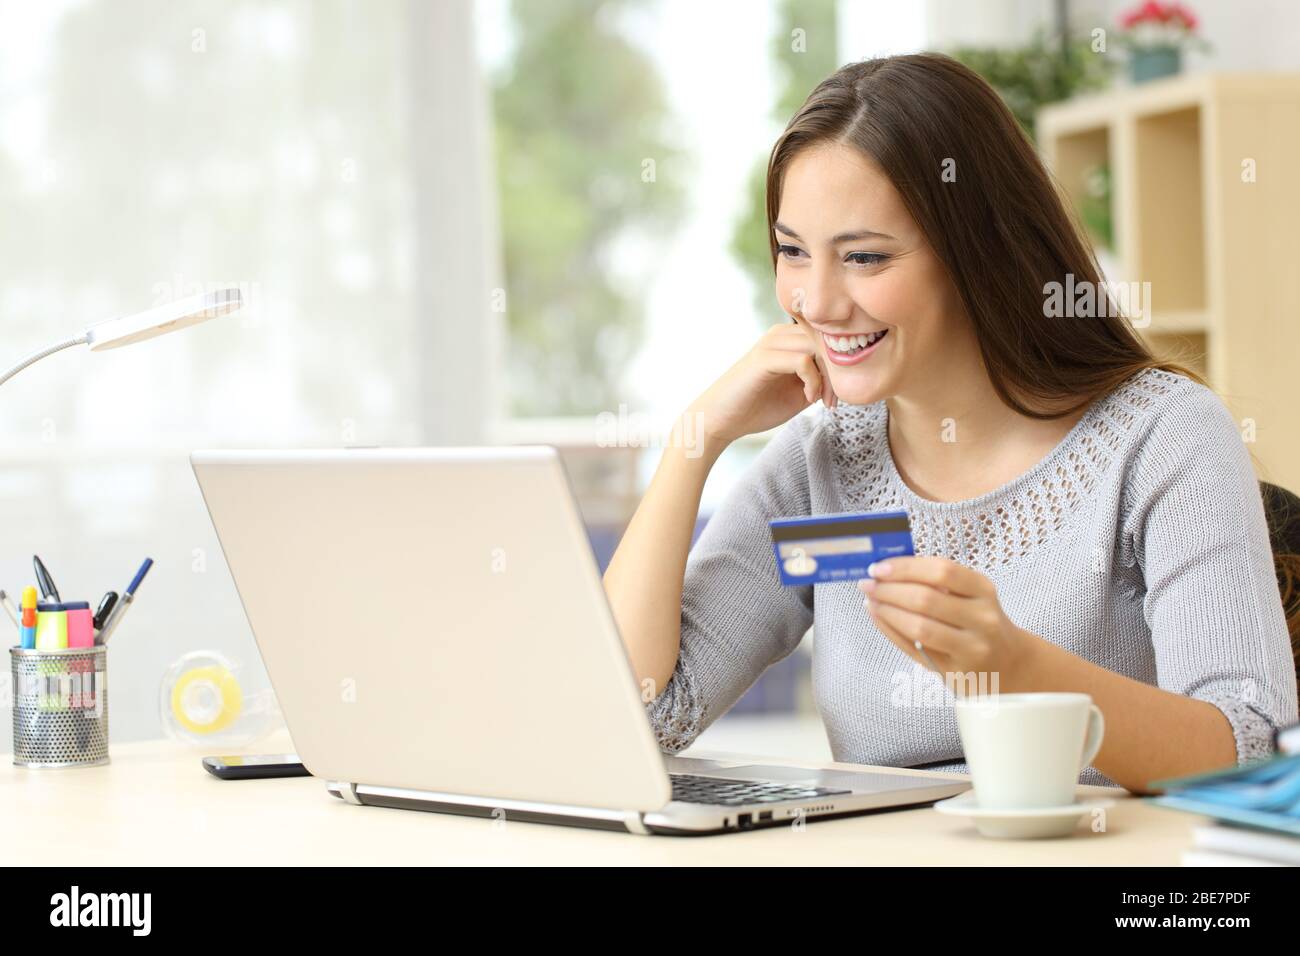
(48, 590)
(9, 608)
(106, 604)
(124, 602)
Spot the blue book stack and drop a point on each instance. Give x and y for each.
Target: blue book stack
(1256, 808)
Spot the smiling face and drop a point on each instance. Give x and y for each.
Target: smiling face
(854, 267)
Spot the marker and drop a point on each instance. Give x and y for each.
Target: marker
(9, 608)
(27, 630)
(124, 603)
(81, 632)
(48, 590)
(105, 608)
(51, 627)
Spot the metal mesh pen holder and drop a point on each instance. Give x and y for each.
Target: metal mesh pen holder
(60, 704)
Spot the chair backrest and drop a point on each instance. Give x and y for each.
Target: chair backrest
(1282, 509)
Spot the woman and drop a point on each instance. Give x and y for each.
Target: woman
(1085, 518)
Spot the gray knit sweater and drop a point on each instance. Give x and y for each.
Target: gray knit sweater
(1139, 543)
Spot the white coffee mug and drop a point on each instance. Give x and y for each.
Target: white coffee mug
(1027, 750)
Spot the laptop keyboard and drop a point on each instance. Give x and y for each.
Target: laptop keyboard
(692, 788)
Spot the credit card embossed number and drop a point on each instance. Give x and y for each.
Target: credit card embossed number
(825, 548)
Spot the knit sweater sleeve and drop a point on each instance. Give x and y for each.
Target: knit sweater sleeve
(737, 618)
(1195, 525)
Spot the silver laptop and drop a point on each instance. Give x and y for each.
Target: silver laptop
(435, 627)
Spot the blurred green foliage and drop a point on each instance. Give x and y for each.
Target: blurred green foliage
(1042, 71)
(579, 110)
(1095, 205)
(803, 59)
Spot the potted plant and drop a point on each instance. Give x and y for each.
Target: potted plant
(1156, 35)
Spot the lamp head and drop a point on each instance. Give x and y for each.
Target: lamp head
(165, 318)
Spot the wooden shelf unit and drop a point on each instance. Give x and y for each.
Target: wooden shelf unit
(1222, 254)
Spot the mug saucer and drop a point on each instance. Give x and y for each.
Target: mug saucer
(1021, 823)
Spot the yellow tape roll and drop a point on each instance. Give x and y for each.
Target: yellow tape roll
(207, 699)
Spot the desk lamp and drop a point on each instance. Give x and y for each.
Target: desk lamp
(143, 325)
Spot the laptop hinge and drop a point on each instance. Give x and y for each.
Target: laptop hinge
(630, 820)
(348, 791)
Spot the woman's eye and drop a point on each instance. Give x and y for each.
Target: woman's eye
(865, 258)
(790, 252)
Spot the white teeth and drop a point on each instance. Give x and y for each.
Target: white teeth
(847, 343)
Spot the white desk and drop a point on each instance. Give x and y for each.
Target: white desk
(155, 804)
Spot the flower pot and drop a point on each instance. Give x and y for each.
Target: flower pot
(1151, 63)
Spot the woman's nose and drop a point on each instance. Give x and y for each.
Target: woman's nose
(822, 301)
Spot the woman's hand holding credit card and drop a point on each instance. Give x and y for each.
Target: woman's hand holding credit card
(777, 378)
(940, 613)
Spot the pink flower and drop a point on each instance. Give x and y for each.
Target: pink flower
(1154, 12)
(1181, 12)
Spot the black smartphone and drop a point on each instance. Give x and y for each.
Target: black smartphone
(255, 766)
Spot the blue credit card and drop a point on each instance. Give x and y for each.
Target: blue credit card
(827, 548)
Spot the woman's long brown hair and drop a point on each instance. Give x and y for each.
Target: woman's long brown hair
(995, 222)
(998, 225)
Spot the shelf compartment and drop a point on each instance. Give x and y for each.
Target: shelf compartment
(1170, 252)
(1077, 155)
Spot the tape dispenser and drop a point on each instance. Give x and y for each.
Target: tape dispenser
(203, 701)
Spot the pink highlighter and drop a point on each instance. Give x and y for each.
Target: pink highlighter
(81, 627)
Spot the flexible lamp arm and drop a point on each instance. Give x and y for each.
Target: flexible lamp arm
(37, 356)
